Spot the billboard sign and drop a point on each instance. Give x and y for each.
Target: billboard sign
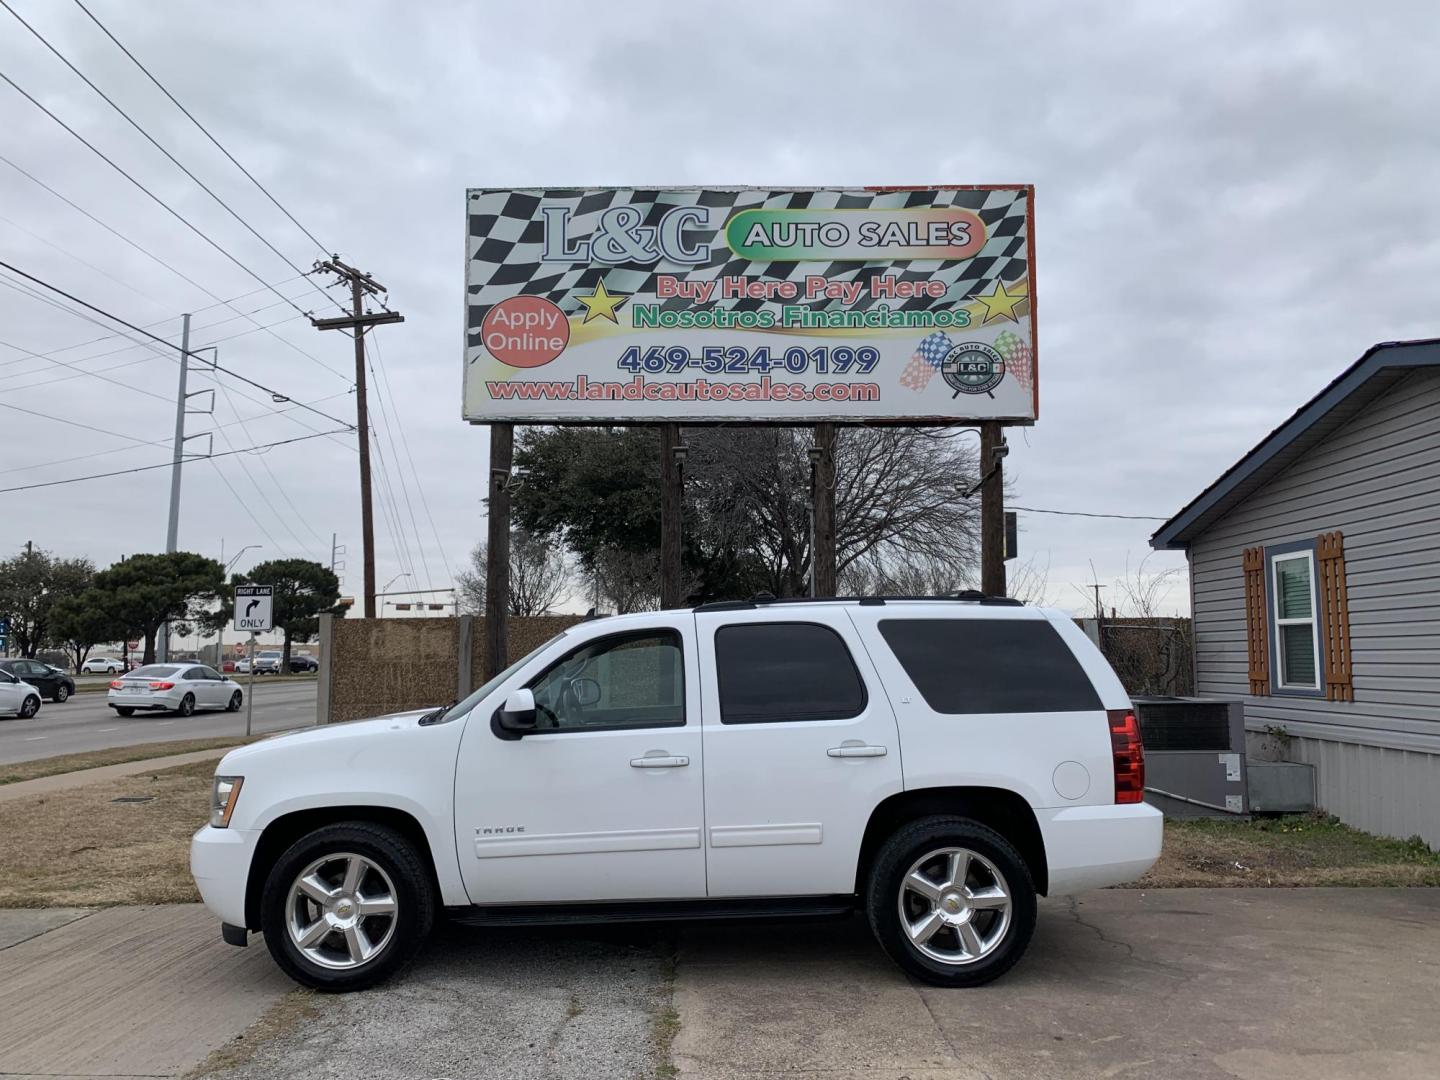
(635, 305)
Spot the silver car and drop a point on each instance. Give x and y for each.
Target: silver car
(180, 688)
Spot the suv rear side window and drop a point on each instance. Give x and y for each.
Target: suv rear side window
(990, 665)
(771, 672)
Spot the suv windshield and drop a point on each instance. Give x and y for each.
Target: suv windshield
(460, 708)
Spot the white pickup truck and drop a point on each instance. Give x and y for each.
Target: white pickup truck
(934, 764)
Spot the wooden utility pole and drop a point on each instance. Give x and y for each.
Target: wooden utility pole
(357, 322)
(497, 551)
(992, 508)
(672, 479)
(822, 495)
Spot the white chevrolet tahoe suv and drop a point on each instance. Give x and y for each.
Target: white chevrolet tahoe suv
(935, 764)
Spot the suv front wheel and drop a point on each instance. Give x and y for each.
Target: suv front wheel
(951, 901)
(347, 906)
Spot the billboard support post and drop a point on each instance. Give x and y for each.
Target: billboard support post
(671, 491)
(992, 508)
(822, 495)
(497, 550)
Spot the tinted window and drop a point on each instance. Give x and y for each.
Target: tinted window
(990, 665)
(623, 681)
(210, 673)
(154, 671)
(770, 672)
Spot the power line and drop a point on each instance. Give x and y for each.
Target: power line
(178, 273)
(151, 139)
(107, 337)
(89, 265)
(161, 465)
(169, 345)
(134, 443)
(405, 442)
(63, 420)
(1083, 513)
(154, 198)
(159, 85)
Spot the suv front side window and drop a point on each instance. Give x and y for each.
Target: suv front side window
(634, 680)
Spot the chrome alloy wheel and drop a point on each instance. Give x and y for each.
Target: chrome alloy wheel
(341, 912)
(954, 906)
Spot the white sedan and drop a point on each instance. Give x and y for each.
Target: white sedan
(180, 688)
(102, 665)
(17, 698)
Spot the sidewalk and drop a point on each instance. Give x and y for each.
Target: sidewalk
(130, 991)
(45, 785)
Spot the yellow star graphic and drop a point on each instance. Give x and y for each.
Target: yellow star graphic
(601, 304)
(999, 304)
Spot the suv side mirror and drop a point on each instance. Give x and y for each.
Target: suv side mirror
(517, 715)
(587, 691)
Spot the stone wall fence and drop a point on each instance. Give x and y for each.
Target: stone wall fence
(371, 667)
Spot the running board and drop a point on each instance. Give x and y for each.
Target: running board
(653, 911)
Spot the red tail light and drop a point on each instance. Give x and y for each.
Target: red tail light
(116, 684)
(1129, 756)
(162, 686)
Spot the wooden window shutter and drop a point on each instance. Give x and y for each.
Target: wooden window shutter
(1257, 632)
(1330, 557)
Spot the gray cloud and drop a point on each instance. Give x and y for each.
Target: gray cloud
(1233, 201)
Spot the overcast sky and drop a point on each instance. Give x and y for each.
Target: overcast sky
(1233, 201)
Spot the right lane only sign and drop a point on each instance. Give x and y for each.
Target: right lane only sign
(254, 608)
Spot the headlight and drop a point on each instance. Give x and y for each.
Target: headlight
(222, 799)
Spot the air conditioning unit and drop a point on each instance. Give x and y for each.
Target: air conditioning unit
(1194, 755)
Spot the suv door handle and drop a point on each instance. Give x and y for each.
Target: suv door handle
(852, 750)
(674, 761)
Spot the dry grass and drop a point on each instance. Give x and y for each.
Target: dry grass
(78, 848)
(295, 1008)
(1294, 850)
(94, 759)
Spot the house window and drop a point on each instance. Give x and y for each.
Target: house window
(1292, 608)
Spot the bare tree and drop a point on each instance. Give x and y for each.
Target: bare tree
(895, 501)
(628, 580)
(539, 577)
(1150, 651)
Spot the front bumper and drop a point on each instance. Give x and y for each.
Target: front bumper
(220, 864)
(1090, 847)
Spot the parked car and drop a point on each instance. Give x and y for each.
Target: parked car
(50, 681)
(934, 764)
(180, 688)
(268, 662)
(242, 666)
(17, 697)
(301, 663)
(103, 665)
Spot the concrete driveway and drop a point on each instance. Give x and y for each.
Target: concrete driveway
(1274, 984)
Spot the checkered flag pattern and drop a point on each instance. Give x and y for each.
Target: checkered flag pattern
(925, 362)
(507, 232)
(1019, 358)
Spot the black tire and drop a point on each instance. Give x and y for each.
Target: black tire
(413, 890)
(29, 707)
(235, 700)
(187, 705)
(883, 899)
(125, 710)
(61, 693)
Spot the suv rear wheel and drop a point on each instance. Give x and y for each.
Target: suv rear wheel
(347, 906)
(951, 901)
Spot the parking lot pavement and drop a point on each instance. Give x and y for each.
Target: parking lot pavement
(1254, 984)
(1279, 984)
(494, 1004)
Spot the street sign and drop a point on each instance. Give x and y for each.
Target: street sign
(254, 608)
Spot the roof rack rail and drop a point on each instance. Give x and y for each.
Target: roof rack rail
(766, 599)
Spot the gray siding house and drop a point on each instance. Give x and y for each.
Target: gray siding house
(1315, 588)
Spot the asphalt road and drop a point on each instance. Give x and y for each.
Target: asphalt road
(85, 722)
